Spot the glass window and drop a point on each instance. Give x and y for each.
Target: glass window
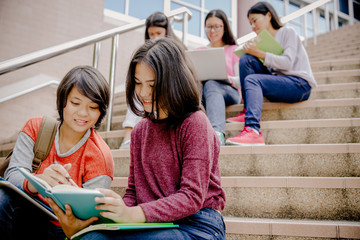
(224, 5)
(309, 19)
(146, 9)
(356, 10)
(322, 24)
(278, 6)
(193, 2)
(344, 6)
(310, 33)
(293, 8)
(115, 5)
(194, 23)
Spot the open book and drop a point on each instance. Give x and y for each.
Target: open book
(265, 42)
(8, 186)
(122, 226)
(81, 200)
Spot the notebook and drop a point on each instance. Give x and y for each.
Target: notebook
(209, 63)
(265, 42)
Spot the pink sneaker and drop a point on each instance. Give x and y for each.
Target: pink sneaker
(247, 137)
(239, 118)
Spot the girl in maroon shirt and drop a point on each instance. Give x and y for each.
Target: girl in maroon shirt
(174, 172)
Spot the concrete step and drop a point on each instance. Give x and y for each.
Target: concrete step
(325, 160)
(328, 49)
(336, 90)
(312, 198)
(335, 64)
(312, 131)
(311, 109)
(322, 91)
(281, 229)
(337, 76)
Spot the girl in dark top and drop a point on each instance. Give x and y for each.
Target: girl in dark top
(174, 171)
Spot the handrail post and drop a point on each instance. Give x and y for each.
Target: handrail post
(315, 26)
(115, 42)
(97, 46)
(185, 27)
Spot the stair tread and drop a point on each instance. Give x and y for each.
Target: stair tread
(276, 182)
(289, 227)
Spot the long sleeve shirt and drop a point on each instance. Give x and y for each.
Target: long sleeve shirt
(294, 61)
(174, 172)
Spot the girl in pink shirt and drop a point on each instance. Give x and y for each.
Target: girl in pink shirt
(219, 94)
(174, 171)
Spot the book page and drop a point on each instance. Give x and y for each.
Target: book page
(70, 188)
(39, 180)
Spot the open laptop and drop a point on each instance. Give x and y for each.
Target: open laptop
(209, 63)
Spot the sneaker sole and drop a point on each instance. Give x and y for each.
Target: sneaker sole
(229, 121)
(229, 143)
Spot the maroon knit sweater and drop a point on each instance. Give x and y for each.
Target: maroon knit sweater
(174, 173)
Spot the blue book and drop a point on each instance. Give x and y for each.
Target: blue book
(8, 186)
(81, 200)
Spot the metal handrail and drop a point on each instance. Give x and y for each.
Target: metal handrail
(302, 11)
(47, 53)
(37, 87)
(42, 55)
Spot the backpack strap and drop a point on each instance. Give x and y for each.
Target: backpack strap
(44, 140)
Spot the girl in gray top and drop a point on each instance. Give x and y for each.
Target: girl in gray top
(279, 78)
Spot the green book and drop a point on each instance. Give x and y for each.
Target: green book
(81, 200)
(122, 226)
(265, 42)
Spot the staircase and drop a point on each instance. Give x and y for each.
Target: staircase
(305, 183)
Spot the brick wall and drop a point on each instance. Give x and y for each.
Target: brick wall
(28, 26)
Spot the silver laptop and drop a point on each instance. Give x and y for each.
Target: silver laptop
(209, 63)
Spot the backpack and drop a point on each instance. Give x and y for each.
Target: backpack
(42, 146)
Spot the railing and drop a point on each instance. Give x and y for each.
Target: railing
(95, 39)
(42, 55)
(288, 18)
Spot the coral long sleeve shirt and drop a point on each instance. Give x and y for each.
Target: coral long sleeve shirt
(174, 173)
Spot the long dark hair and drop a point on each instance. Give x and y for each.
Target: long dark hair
(175, 90)
(228, 37)
(159, 19)
(263, 8)
(89, 82)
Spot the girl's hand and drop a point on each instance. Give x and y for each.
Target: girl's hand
(114, 208)
(69, 223)
(251, 48)
(54, 174)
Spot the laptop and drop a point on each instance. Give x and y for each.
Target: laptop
(209, 63)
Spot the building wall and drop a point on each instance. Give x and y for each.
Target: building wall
(28, 26)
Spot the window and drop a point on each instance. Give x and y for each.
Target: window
(143, 8)
(115, 5)
(194, 23)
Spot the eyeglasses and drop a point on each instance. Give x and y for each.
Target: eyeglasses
(216, 28)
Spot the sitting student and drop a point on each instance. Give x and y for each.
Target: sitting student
(82, 101)
(281, 78)
(156, 25)
(219, 94)
(174, 171)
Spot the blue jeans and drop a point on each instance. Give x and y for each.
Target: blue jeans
(258, 82)
(205, 224)
(217, 95)
(19, 218)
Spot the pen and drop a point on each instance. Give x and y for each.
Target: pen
(68, 177)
